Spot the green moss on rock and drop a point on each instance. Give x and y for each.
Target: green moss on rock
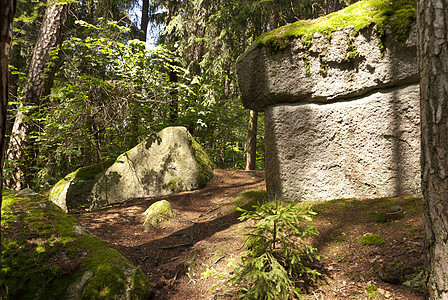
(398, 15)
(90, 172)
(157, 213)
(307, 67)
(46, 254)
(82, 174)
(173, 186)
(205, 164)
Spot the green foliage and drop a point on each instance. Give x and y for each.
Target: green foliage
(202, 33)
(110, 94)
(372, 239)
(277, 252)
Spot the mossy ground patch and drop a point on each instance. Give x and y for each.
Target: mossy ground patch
(44, 252)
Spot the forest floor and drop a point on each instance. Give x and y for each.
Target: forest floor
(191, 256)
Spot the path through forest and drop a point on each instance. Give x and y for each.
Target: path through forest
(190, 256)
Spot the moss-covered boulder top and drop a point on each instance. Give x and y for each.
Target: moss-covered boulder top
(47, 254)
(170, 162)
(368, 45)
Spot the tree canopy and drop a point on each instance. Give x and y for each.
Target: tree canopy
(105, 90)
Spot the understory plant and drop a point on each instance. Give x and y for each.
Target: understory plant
(277, 254)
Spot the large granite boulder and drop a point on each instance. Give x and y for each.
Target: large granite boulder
(170, 162)
(324, 63)
(47, 254)
(341, 106)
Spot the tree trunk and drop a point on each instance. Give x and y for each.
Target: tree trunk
(251, 146)
(7, 8)
(432, 22)
(39, 81)
(173, 105)
(332, 6)
(171, 7)
(145, 20)
(197, 49)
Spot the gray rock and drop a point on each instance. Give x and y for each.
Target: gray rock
(169, 163)
(266, 77)
(72, 192)
(366, 147)
(341, 114)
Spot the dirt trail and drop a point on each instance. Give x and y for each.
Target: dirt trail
(188, 257)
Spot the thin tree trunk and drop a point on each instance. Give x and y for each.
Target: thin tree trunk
(7, 8)
(332, 6)
(39, 81)
(251, 146)
(145, 20)
(197, 50)
(432, 22)
(172, 6)
(134, 125)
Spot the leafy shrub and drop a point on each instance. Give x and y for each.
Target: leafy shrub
(276, 252)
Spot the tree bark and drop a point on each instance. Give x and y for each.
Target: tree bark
(7, 8)
(332, 6)
(432, 22)
(197, 48)
(145, 20)
(251, 146)
(173, 105)
(171, 7)
(39, 82)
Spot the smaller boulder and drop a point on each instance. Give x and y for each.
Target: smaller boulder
(157, 213)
